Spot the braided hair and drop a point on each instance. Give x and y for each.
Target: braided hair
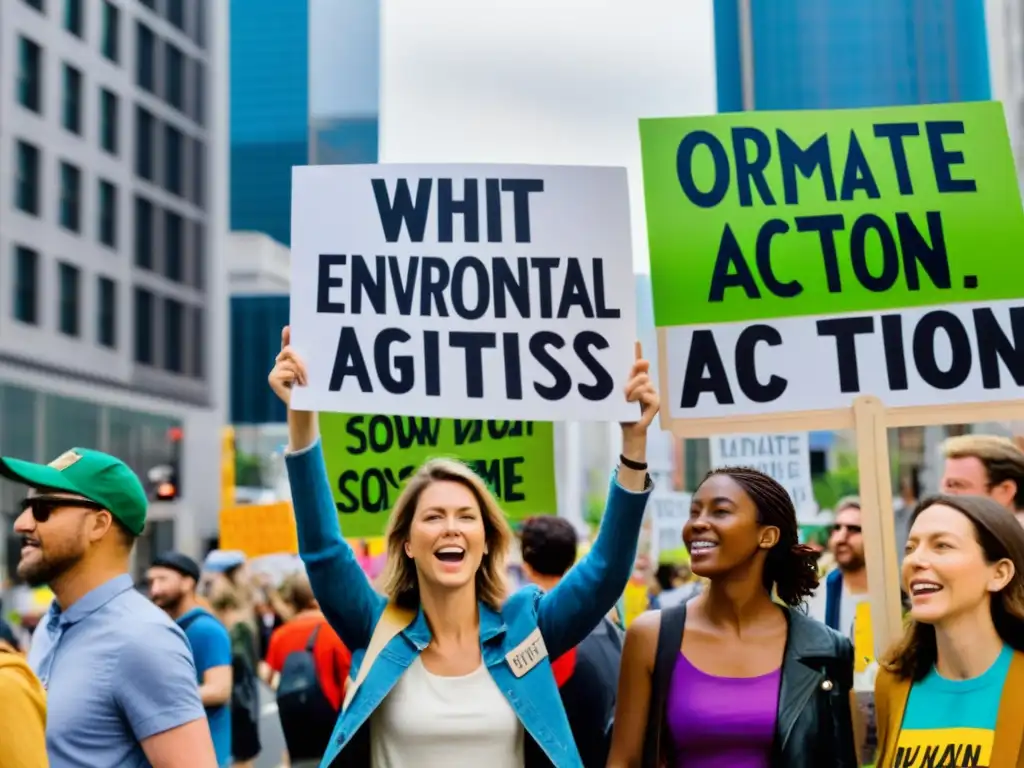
(791, 568)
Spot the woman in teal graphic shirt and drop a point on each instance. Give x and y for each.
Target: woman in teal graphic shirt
(952, 690)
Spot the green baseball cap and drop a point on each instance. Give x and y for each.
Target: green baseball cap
(97, 476)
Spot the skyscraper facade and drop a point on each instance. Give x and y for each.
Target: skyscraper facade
(269, 111)
(113, 150)
(304, 79)
(829, 54)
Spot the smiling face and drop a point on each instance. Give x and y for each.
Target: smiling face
(55, 535)
(447, 538)
(945, 571)
(722, 533)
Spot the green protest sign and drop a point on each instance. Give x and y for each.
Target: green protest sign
(800, 259)
(369, 457)
(778, 214)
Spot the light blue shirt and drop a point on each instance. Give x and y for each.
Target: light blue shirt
(116, 670)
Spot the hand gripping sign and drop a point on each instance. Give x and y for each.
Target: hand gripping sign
(824, 270)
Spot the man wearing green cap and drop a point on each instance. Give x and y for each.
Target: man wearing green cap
(120, 680)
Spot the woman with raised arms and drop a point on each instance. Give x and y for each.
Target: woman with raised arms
(448, 668)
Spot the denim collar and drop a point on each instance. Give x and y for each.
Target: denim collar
(492, 625)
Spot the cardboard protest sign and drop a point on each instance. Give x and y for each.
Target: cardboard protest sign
(369, 457)
(785, 457)
(801, 259)
(463, 291)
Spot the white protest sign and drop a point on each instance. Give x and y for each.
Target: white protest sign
(463, 291)
(967, 352)
(668, 512)
(783, 457)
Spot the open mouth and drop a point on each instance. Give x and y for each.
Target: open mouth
(701, 547)
(450, 554)
(923, 587)
(28, 546)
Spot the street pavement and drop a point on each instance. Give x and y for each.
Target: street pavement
(270, 731)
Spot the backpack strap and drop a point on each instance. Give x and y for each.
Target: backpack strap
(193, 618)
(311, 643)
(670, 640)
(393, 621)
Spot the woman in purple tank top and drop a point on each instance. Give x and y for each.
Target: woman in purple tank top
(735, 678)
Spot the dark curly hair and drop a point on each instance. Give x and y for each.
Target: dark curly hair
(791, 569)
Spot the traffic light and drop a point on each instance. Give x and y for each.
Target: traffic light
(165, 479)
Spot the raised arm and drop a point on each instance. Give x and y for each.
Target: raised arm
(590, 589)
(341, 587)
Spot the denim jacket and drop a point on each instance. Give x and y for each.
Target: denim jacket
(562, 618)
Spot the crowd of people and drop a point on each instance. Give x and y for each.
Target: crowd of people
(753, 658)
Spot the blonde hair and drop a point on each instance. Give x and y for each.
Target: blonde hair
(399, 577)
(1002, 459)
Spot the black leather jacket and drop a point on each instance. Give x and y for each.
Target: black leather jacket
(813, 727)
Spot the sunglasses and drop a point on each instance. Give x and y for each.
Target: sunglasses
(849, 528)
(42, 507)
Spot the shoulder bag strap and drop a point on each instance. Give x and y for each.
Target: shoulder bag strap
(390, 623)
(670, 640)
(311, 643)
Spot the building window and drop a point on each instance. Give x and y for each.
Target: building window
(151, 4)
(30, 75)
(174, 252)
(143, 233)
(143, 326)
(198, 172)
(198, 346)
(145, 57)
(174, 317)
(198, 92)
(200, 23)
(198, 256)
(106, 318)
(145, 125)
(74, 21)
(70, 197)
(72, 106)
(174, 78)
(26, 185)
(107, 213)
(176, 13)
(68, 277)
(111, 41)
(172, 160)
(26, 285)
(109, 116)
(39, 5)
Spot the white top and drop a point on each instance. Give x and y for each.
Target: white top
(429, 721)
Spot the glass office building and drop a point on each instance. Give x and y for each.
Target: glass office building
(304, 90)
(828, 54)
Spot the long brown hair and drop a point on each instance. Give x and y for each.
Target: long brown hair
(399, 578)
(1001, 537)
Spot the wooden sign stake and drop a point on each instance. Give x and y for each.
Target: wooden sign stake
(877, 520)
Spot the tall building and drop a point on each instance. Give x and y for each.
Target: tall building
(304, 78)
(112, 212)
(1006, 55)
(828, 54)
(269, 111)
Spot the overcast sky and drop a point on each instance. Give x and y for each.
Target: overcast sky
(541, 81)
